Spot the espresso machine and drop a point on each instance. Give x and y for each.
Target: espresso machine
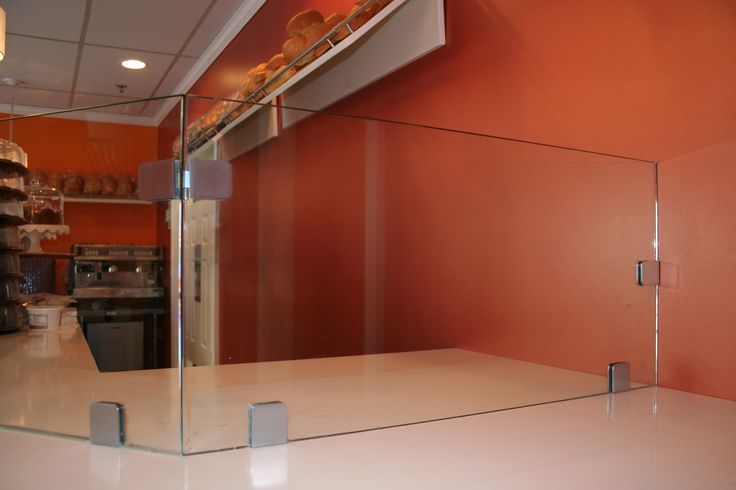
(121, 304)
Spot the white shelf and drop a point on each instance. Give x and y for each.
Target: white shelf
(105, 200)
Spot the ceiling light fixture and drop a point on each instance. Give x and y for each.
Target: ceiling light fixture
(133, 64)
(2, 34)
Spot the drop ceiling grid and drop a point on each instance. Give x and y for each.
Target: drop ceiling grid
(53, 38)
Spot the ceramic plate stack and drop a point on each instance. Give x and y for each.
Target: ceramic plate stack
(12, 170)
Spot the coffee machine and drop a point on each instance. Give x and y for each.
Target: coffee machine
(121, 304)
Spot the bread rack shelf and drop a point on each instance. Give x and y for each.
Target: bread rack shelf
(261, 98)
(105, 200)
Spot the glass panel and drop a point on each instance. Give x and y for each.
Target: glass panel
(371, 274)
(110, 252)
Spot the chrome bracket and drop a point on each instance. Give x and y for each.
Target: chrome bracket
(647, 273)
(267, 424)
(619, 377)
(107, 424)
(167, 180)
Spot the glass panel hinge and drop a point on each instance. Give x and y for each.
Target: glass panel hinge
(647, 272)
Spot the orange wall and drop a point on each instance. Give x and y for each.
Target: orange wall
(698, 206)
(66, 145)
(648, 79)
(499, 247)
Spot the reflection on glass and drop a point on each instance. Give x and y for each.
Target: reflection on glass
(91, 247)
(371, 274)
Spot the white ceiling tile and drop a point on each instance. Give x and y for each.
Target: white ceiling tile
(86, 100)
(181, 67)
(152, 108)
(100, 71)
(58, 19)
(39, 63)
(33, 97)
(160, 25)
(220, 14)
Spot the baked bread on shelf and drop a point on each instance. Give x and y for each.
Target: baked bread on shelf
(303, 20)
(332, 22)
(304, 30)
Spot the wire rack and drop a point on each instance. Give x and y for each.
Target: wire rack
(262, 92)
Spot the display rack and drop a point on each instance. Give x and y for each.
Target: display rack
(262, 97)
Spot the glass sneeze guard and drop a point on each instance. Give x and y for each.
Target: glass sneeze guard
(366, 273)
(371, 274)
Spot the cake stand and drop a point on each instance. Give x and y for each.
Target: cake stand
(36, 233)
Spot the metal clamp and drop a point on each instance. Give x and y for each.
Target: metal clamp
(107, 424)
(647, 273)
(619, 377)
(267, 424)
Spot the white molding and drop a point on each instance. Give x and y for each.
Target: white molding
(78, 114)
(241, 17)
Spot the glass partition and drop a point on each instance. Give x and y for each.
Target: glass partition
(372, 273)
(366, 273)
(105, 250)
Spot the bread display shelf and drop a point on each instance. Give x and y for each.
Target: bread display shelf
(105, 200)
(262, 97)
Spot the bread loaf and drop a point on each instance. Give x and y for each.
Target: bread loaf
(210, 118)
(281, 79)
(314, 34)
(238, 107)
(72, 184)
(276, 62)
(295, 46)
(91, 185)
(108, 184)
(332, 22)
(302, 21)
(366, 15)
(125, 186)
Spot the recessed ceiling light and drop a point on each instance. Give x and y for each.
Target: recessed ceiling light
(134, 64)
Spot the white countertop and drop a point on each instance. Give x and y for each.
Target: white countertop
(644, 439)
(49, 380)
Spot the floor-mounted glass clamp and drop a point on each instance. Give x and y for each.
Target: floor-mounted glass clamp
(107, 424)
(619, 377)
(268, 424)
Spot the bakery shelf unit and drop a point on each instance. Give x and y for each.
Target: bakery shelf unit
(403, 31)
(105, 200)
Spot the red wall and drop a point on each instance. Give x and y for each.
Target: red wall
(66, 145)
(648, 79)
(698, 205)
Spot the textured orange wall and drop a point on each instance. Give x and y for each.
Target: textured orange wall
(648, 79)
(698, 206)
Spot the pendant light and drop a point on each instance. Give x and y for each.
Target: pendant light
(2, 34)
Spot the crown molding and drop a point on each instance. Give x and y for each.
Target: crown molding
(241, 17)
(79, 114)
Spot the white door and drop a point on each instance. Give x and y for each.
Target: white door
(200, 288)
